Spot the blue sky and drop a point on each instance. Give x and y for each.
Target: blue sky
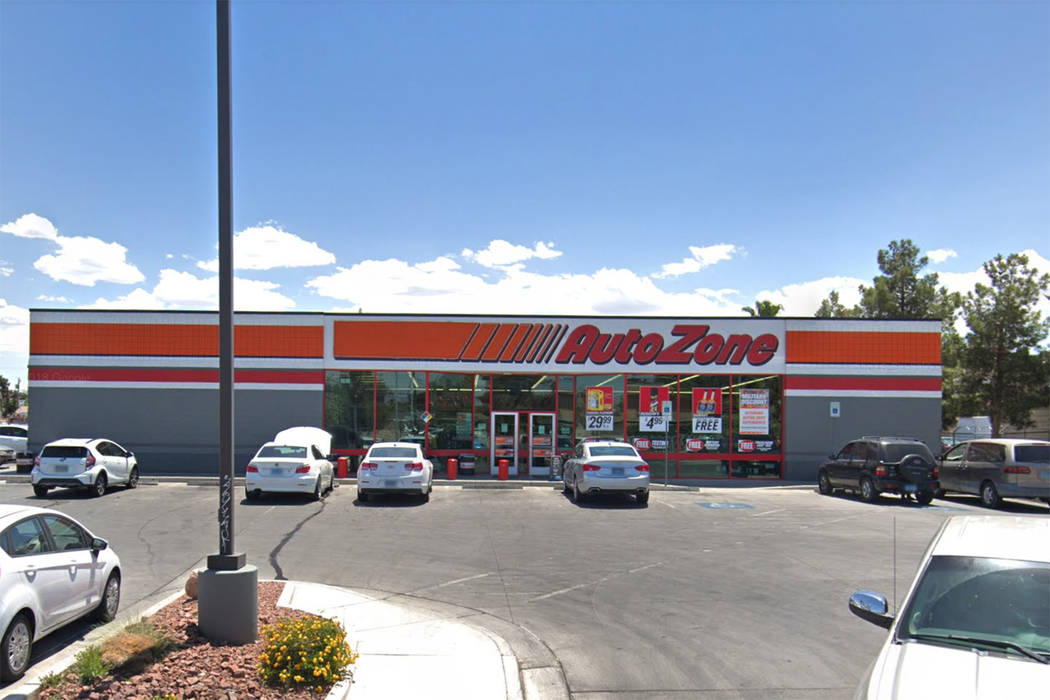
(668, 158)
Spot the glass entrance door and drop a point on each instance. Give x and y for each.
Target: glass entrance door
(541, 443)
(504, 442)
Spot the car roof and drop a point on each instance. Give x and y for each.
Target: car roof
(14, 425)
(995, 536)
(606, 443)
(13, 511)
(396, 444)
(1006, 441)
(72, 442)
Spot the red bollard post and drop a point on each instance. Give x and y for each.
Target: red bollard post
(343, 467)
(451, 467)
(504, 470)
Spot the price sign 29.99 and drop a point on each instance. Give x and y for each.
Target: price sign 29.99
(599, 421)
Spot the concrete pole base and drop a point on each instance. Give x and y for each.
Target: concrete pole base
(228, 605)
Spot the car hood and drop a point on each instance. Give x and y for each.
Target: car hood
(915, 670)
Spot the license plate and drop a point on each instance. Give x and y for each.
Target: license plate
(390, 484)
(276, 472)
(617, 471)
(61, 468)
(909, 488)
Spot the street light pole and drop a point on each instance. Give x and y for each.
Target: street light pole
(228, 595)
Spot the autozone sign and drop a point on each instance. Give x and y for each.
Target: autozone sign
(685, 344)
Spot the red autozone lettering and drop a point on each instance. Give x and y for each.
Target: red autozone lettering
(692, 344)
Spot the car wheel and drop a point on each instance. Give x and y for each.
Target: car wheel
(426, 497)
(990, 495)
(924, 497)
(868, 492)
(317, 490)
(40, 491)
(577, 496)
(133, 478)
(824, 483)
(251, 495)
(107, 607)
(939, 493)
(331, 484)
(362, 496)
(99, 489)
(642, 498)
(16, 648)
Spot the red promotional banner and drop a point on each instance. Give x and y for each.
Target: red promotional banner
(650, 398)
(707, 401)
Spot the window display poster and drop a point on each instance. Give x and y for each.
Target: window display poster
(707, 410)
(650, 398)
(754, 411)
(599, 414)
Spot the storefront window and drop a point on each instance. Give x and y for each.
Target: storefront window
(451, 408)
(400, 403)
(756, 470)
(599, 406)
(703, 413)
(566, 402)
(647, 428)
(756, 414)
(703, 468)
(348, 408)
(522, 392)
(482, 401)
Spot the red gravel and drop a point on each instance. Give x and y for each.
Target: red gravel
(196, 668)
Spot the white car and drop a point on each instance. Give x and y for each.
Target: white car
(606, 466)
(14, 439)
(976, 621)
(395, 467)
(295, 461)
(53, 572)
(89, 463)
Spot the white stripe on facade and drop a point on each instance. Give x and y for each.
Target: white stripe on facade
(872, 326)
(865, 370)
(863, 393)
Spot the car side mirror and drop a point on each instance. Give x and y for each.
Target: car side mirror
(98, 544)
(871, 607)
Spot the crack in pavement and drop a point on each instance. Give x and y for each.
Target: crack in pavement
(288, 538)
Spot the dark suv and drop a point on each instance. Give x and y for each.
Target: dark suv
(872, 465)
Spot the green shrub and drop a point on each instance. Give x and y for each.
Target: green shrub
(89, 664)
(309, 652)
(51, 680)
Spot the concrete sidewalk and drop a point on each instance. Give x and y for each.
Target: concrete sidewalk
(407, 648)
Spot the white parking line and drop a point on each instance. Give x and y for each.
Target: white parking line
(778, 510)
(603, 579)
(454, 582)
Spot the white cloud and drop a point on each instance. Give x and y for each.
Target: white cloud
(698, 260)
(31, 226)
(268, 247)
(5, 270)
(183, 290)
(940, 255)
(86, 260)
(14, 329)
(53, 299)
(803, 298)
(501, 253)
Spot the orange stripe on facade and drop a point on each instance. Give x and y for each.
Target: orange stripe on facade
(515, 342)
(496, 346)
(176, 340)
(473, 350)
(401, 340)
(864, 347)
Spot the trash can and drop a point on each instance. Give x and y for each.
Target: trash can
(466, 464)
(504, 470)
(343, 467)
(556, 467)
(450, 468)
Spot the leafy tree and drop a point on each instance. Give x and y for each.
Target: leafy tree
(764, 309)
(833, 308)
(9, 397)
(1003, 375)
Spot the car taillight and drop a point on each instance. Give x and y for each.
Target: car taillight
(936, 474)
(90, 461)
(36, 461)
(880, 470)
(304, 469)
(251, 469)
(414, 467)
(1016, 470)
(642, 467)
(591, 467)
(367, 466)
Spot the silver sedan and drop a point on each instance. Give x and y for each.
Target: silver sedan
(606, 466)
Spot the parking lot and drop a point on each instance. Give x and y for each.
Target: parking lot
(716, 592)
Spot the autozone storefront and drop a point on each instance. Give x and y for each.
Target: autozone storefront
(711, 398)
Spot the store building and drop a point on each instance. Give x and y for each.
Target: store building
(702, 398)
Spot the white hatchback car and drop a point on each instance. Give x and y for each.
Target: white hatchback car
(976, 621)
(295, 461)
(94, 464)
(53, 572)
(395, 467)
(14, 438)
(606, 466)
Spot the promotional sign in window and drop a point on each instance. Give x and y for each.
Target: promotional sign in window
(650, 399)
(707, 411)
(599, 414)
(754, 411)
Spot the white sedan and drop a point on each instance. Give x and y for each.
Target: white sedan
(395, 467)
(295, 461)
(976, 622)
(606, 466)
(53, 572)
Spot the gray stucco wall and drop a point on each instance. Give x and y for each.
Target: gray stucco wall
(811, 434)
(171, 431)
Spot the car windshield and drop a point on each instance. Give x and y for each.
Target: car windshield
(1032, 453)
(613, 451)
(963, 600)
(895, 452)
(393, 452)
(64, 451)
(283, 452)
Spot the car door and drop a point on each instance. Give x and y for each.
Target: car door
(845, 473)
(953, 468)
(73, 543)
(984, 461)
(45, 571)
(323, 466)
(116, 462)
